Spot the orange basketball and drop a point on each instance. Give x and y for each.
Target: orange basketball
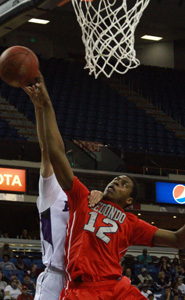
(18, 66)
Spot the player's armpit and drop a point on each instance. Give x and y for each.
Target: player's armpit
(95, 197)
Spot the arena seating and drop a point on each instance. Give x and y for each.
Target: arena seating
(7, 132)
(163, 86)
(88, 109)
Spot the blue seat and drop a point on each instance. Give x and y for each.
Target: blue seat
(20, 274)
(161, 149)
(13, 260)
(27, 261)
(181, 150)
(141, 147)
(152, 148)
(171, 149)
(130, 146)
(153, 271)
(7, 273)
(137, 268)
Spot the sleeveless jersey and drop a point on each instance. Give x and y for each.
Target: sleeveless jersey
(54, 213)
(98, 237)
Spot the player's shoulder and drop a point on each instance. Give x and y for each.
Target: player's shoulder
(78, 185)
(131, 217)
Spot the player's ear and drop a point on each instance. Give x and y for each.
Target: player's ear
(129, 200)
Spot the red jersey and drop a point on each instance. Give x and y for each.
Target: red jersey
(25, 297)
(98, 237)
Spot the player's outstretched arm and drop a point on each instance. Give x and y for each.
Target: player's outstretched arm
(55, 145)
(46, 167)
(169, 238)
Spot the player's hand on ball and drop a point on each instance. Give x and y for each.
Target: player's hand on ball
(95, 197)
(38, 92)
(32, 92)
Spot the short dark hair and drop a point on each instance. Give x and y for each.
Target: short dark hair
(135, 191)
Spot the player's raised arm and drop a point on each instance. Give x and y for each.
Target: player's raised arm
(55, 145)
(46, 167)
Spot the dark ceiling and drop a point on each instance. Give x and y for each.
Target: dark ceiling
(164, 18)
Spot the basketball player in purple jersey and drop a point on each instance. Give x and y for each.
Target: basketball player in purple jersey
(53, 210)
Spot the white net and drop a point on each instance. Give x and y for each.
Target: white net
(108, 28)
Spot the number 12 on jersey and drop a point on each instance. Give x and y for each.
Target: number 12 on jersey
(102, 230)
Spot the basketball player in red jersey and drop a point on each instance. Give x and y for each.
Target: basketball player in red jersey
(98, 236)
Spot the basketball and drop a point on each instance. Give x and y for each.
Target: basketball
(18, 66)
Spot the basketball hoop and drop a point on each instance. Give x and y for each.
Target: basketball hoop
(108, 28)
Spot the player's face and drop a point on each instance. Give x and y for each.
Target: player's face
(119, 191)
